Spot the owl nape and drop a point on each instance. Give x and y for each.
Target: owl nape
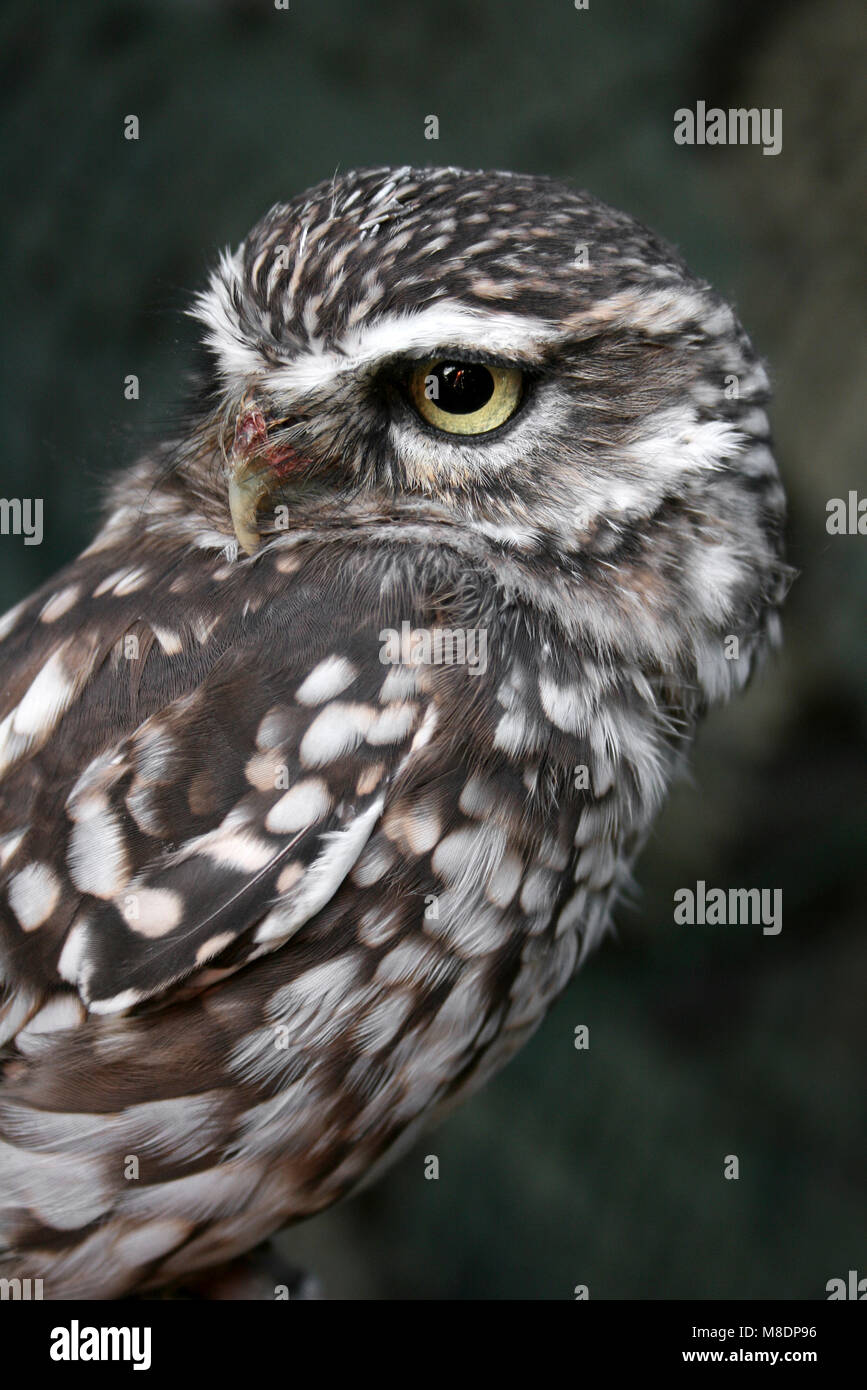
(286, 869)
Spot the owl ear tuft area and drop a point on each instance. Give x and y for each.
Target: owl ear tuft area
(226, 334)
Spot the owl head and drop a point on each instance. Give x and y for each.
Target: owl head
(495, 363)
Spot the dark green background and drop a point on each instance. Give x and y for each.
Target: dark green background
(603, 1167)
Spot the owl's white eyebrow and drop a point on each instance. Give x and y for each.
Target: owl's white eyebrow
(451, 324)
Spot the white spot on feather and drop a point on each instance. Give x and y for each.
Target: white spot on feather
(303, 805)
(392, 725)
(60, 603)
(47, 698)
(152, 911)
(33, 894)
(214, 946)
(323, 877)
(9, 844)
(97, 850)
(61, 1012)
(504, 882)
(327, 680)
(339, 729)
(73, 955)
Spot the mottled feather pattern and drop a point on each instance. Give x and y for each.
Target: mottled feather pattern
(271, 903)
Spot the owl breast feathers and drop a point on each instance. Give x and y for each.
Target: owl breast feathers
(323, 765)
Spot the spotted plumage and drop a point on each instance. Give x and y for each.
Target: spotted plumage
(273, 897)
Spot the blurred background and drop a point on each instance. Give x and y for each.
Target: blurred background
(601, 1167)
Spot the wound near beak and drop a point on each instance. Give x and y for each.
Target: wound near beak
(254, 468)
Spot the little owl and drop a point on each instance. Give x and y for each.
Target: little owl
(324, 764)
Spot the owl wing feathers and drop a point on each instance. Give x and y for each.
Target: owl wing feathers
(269, 747)
(274, 858)
(173, 808)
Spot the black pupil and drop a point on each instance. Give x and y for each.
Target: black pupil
(462, 387)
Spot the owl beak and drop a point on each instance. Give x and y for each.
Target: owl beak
(243, 505)
(246, 490)
(253, 469)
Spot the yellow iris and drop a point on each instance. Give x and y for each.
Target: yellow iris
(465, 397)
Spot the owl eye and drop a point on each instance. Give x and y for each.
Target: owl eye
(465, 397)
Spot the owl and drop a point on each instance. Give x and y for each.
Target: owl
(323, 766)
